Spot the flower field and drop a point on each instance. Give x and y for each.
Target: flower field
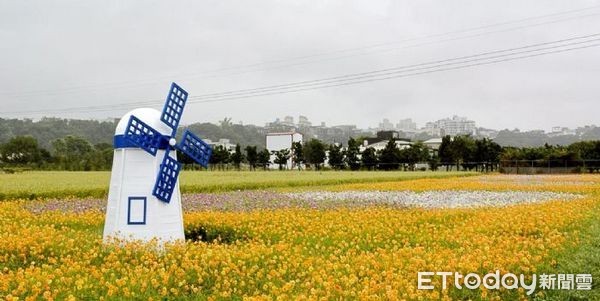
(363, 241)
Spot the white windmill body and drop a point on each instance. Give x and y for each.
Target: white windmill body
(144, 200)
(131, 211)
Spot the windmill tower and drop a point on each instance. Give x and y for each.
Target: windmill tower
(144, 201)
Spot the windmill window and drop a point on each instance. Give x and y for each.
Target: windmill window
(136, 210)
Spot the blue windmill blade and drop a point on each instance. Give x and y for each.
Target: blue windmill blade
(171, 114)
(166, 178)
(195, 148)
(140, 134)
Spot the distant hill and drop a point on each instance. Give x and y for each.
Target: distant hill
(236, 133)
(47, 130)
(539, 138)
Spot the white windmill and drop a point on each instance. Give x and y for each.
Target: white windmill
(144, 201)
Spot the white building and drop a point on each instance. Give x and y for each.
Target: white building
(560, 131)
(451, 126)
(400, 144)
(226, 143)
(280, 141)
(433, 145)
(457, 126)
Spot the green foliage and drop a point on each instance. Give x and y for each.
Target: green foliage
(389, 157)
(281, 157)
(264, 158)
(487, 151)
(76, 153)
(585, 154)
(314, 153)
(446, 152)
(220, 156)
(237, 157)
(414, 154)
(46, 130)
(297, 154)
(352, 154)
(462, 152)
(70, 153)
(21, 150)
(469, 153)
(369, 158)
(251, 156)
(433, 162)
(336, 157)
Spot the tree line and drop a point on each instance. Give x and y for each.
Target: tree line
(454, 153)
(582, 156)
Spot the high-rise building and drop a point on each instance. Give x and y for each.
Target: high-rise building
(386, 125)
(432, 129)
(288, 120)
(303, 122)
(406, 125)
(450, 126)
(456, 126)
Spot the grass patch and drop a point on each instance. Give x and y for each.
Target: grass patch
(582, 259)
(61, 184)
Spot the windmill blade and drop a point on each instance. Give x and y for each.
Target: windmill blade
(195, 148)
(171, 114)
(166, 178)
(144, 136)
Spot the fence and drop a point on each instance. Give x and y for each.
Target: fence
(504, 166)
(549, 166)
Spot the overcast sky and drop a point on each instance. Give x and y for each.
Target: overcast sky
(108, 54)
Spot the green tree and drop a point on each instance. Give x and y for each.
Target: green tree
(237, 157)
(487, 154)
(336, 157)
(389, 157)
(220, 157)
(446, 153)
(251, 156)
(73, 153)
(464, 147)
(281, 157)
(352, 154)
(369, 158)
(414, 154)
(21, 150)
(264, 158)
(433, 162)
(314, 153)
(297, 154)
(459, 150)
(100, 158)
(589, 154)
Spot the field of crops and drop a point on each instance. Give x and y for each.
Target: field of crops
(365, 238)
